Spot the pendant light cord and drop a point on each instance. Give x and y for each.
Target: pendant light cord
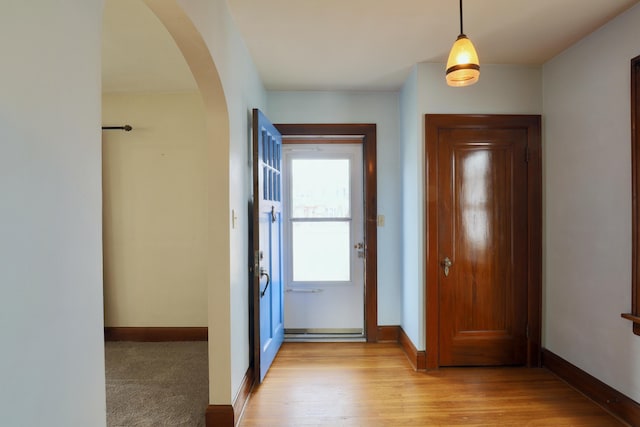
(461, 31)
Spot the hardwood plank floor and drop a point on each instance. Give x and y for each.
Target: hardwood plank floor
(357, 384)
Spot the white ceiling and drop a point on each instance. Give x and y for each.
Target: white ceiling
(351, 44)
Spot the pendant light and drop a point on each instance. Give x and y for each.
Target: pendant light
(463, 66)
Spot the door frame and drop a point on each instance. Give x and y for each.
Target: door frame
(532, 124)
(366, 134)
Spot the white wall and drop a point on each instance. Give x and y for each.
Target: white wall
(588, 204)
(381, 108)
(52, 357)
(230, 189)
(155, 210)
(502, 89)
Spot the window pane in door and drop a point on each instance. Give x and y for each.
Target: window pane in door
(320, 188)
(321, 251)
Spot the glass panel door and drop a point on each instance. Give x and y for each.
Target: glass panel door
(324, 276)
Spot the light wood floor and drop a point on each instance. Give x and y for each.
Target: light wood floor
(357, 384)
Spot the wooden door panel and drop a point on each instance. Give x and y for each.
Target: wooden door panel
(482, 229)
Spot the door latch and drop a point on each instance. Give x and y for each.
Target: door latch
(258, 256)
(360, 247)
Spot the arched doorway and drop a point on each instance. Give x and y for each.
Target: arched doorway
(191, 167)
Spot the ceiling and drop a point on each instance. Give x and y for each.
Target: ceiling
(350, 44)
(138, 53)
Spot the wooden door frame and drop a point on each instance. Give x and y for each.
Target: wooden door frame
(532, 124)
(634, 316)
(366, 133)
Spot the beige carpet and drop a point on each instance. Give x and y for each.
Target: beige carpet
(156, 384)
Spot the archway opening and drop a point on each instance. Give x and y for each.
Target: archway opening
(160, 177)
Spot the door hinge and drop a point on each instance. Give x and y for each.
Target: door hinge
(527, 154)
(526, 332)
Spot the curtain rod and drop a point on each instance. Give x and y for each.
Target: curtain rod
(125, 128)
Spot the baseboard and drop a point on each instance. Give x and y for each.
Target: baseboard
(219, 416)
(243, 394)
(609, 398)
(395, 333)
(155, 334)
(388, 333)
(417, 358)
(229, 415)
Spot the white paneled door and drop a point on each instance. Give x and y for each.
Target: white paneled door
(324, 239)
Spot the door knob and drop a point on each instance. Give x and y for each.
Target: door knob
(446, 264)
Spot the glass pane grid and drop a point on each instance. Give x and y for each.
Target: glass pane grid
(271, 155)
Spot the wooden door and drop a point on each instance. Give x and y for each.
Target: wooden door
(267, 289)
(482, 244)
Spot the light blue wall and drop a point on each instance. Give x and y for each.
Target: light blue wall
(51, 328)
(502, 89)
(587, 203)
(381, 108)
(411, 155)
